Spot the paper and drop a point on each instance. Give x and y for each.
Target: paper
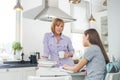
(64, 70)
(68, 71)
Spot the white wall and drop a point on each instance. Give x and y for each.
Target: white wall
(114, 27)
(33, 30)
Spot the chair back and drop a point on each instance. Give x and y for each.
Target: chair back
(113, 76)
(50, 78)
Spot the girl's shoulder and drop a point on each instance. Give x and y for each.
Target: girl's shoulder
(93, 48)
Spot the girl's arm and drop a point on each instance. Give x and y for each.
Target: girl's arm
(77, 67)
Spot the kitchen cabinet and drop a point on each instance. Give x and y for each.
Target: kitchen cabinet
(17, 73)
(25, 72)
(9, 74)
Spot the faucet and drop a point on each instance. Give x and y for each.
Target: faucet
(22, 61)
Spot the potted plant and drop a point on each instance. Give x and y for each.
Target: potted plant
(16, 46)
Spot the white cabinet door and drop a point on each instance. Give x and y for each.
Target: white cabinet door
(17, 73)
(25, 72)
(9, 74)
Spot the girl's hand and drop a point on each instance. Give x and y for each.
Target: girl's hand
(65, 66)
(85, 73)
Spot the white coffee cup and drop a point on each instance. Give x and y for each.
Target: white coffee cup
(61, 54)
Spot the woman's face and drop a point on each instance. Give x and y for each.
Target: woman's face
(85, 40)
(58, 29)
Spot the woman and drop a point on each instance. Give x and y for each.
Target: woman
(95, 57)
(55, 42)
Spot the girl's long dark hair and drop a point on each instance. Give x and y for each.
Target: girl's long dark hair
(95, 39)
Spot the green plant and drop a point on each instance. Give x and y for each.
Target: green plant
(16, 46)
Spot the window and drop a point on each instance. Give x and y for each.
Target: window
(77, 39)
(79, 12)
(7, 26)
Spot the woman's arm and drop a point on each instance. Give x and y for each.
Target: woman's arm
(77, 67)
(45, 46)
(70, 48)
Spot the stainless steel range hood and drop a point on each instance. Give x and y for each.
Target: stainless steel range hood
(47, 12)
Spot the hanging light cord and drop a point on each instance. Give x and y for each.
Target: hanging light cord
(91, 15)
(91, 6)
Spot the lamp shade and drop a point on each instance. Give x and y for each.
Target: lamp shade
(75, 1)
(105, 3)
(18, 6)
(92, 19)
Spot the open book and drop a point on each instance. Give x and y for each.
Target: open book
(68, 71)
(64, 70)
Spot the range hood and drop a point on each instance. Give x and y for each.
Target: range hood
(47, 12)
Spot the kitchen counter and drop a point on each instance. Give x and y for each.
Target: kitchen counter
(17, 64)
(47, 71)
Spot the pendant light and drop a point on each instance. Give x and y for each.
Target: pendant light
(75, 1)
(18, 6)
(105, 3)
(91, 19)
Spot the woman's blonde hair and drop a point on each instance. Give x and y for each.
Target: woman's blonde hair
(55, 22)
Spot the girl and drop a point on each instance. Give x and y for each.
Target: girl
(95, 57)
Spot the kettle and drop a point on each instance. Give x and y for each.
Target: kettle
(33, 59)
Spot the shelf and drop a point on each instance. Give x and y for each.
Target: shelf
(104, 34)
(103, 28)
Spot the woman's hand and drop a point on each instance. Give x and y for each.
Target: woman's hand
(68, 54)
(45, 58)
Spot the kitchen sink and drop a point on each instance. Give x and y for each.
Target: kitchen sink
(16, 62)
(2, 65)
